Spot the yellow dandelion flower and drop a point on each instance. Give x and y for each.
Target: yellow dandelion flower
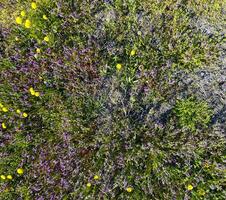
(129, 189)
(20, 171)
(189, 187)
(18, 111)
(46, 38)
(118, 66)
(4, 126)
(96, 177)
(32, 91)
(33, 5)
(18, 20)
(88, 185)
(38, 50)
(25, 115)
(133, 52)
(27, 23)
(9, 177)
(3, 177)
(44, 17)
(37, 94)
(4, 109)
(23, 13)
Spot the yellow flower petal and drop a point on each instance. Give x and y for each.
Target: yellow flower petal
(27, 23)
(25, 115)
(18, 20)
(18, 111)
(44, 17)
(9, 177)
(96, 177)
(4, 126)
(118, 66)
(3, 177)
(37, 94)
(33, 5)
(22, 13)
(189, 187)
(46, 38)
(31, 90)
(133, 52)
(20, 171)
(38, 50)
(4, 109)
(88, 184)
(129, 189)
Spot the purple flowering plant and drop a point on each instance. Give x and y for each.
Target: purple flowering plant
(101, 100)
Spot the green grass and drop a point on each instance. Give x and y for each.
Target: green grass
(124, 124)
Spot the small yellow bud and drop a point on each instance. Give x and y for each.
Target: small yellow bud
(4, 109)
(18, 111)
(32, 91)
(18, 20)
(88, 184)
(129, 189)
(20, 171)
(1, 105)
(4, 126)
(38, 50)
(96, 177)
(3, 177)
(25, 115)
(44, 17)
(133, 52)
(33, 5)
(37, 94)
(22, 13)
(9, 177)
(118, 66)
(189, 187)
(27, 23)
(46, 38)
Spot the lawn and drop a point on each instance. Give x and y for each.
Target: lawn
(112, 100)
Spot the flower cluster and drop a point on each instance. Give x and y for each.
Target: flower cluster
(27, 21)
(33, 92)
(20, 171)
(21, 19)
(3, 177)
(3, 108)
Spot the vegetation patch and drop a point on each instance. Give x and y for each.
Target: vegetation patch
(100, 99)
